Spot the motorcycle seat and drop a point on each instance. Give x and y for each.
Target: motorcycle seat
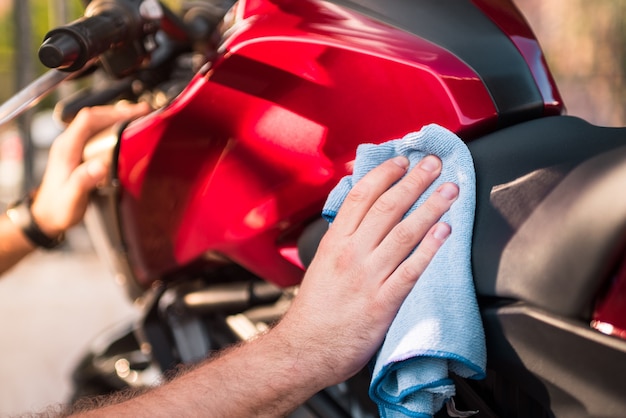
(551, 216)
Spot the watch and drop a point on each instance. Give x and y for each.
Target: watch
(20, 215)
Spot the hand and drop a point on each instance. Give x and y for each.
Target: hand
(61, 200)
(364, 268)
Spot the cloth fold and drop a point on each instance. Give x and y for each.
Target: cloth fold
(438, 328)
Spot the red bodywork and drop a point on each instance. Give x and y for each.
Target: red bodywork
(247, 154)
(610, 313)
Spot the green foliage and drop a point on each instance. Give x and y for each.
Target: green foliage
(42, 19)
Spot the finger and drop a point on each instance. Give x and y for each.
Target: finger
(365, 192)
(403, 279)
(58, 208)
(407, 234)
(389, 208)
(90, 121)
(84, 179)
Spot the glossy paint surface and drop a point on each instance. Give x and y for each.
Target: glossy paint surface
(610, 314)
(246, 155)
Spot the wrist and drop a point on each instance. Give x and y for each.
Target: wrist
(304, 358)
(21, 215)
(42, 218)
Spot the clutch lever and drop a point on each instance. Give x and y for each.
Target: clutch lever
(32, 94)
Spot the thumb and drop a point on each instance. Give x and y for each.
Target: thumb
(86, 176)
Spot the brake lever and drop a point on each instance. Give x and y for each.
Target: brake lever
(32, 94)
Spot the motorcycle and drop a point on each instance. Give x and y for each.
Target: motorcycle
(212, 211)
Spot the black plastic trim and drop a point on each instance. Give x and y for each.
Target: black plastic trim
(563, 365)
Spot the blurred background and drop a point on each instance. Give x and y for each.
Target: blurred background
(55, 304)
(585, 46)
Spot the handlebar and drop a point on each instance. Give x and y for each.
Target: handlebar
(121, 35)
(107, 24)
(30, 95)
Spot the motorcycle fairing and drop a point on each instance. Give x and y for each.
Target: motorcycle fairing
(295, 89)
(247, 154)
(491, 37)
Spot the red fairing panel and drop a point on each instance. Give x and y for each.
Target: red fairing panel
(609, 316)
(247, 154)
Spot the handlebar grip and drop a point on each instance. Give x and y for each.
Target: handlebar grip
(70, 47)
(59, 51)
(108, 25)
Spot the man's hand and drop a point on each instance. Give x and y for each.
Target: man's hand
(61, 200)
(365, 267)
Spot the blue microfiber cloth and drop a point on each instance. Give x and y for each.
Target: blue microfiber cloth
(438, 328)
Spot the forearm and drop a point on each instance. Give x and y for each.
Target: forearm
(266, 377)
(14, 246)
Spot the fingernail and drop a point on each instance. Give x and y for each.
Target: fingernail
(442, 231)
(448, 190)
(401, 161)
(430, 163)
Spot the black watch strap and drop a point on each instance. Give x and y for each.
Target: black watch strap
(20, 215)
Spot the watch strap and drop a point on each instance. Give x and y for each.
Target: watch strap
(20, 215)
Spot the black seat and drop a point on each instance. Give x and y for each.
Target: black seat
(550, 217)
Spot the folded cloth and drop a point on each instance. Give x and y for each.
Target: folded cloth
(438, 328)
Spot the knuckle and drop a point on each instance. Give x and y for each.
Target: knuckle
(435, 206)
(385, 204)
(410, 187)
(359, 193)
(343, 254)
(407, 188)
(59, 147)
(84, 115)
(62, 146)
(347, 261)
(343, 260)
(426, 251)
(413, 267)
(405, 234)
(408, 273)
(416, 180)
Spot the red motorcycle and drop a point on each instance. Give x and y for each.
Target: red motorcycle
(212, 211)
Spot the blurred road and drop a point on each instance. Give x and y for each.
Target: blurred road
(52, 306)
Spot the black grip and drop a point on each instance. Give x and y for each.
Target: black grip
(72, 46)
